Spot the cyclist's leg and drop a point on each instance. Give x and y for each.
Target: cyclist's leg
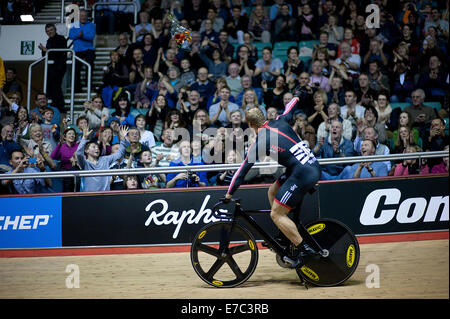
(279, 215)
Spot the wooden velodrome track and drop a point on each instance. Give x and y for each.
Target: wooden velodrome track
(407, 269)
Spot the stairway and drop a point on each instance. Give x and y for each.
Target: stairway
(103, 45)
(51, 13)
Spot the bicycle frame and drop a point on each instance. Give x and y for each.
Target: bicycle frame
(280, 250)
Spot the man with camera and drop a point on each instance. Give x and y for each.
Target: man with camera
(22, 164)
(188, 178)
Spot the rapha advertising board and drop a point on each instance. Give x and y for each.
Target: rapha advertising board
(30, 222)
(169, 217)
(388, 205)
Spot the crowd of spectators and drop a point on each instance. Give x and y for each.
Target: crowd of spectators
(165, 106)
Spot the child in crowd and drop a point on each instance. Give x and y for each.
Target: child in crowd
(88, 156)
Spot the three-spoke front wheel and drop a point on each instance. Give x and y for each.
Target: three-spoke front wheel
(224, 254)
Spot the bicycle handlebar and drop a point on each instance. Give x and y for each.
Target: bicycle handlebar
(224, 213)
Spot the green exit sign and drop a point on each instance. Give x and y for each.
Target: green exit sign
(26, 47)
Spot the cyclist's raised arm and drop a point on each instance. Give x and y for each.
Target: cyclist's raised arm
(289, 110)
(239, 175)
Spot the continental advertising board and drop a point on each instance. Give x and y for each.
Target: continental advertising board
(388, 205)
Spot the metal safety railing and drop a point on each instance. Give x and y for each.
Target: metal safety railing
(71, 61)
(220, 167)
(124, 3)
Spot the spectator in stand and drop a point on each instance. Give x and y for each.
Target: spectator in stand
(433, 82)
(383, 108)
(435, 140)
(194, 14)
(190, 106)
(161, 35)
(88, 156)
(420, 113)
(225, 177)
(11, 83)
(259, 24)
(174, 120)
(147, 84)
(143, 27)
(350, 39)
(20, 163)
(441, 25)
(83, 34)
(246, 64)
(166, 151)
(115, 75)
(365, 95)
(365, 169)
(377, 80)
(246, 83)
(200, 123)
(2, 74)
(249, 101)
(368, 132)
(147, 138)
(306, 23)
(219, 113)
(317, 79)
(402, 83)
(216, 21)
(157, 114)
(117, 181)
(95, 110)
(57, 69)
(403, 139)
(216, 66)
(323, 43)
(334, 114)
(149, 49)
(441, 168)
(220, 83)
(334, 145)
(236, 25)
(123, 111)
(165, 89)
(352, 62)
(318, 113)
(410, 166)
(125, 49)
(188, 179)
(293, 66)
(268, 68)
(42, 104)
(64, 152)
(51, 132)
(208, 33)
(135, 147)
(334, 30)
(283, 25)
(152, 180)
(203, 86)
(104, 140)
(7, 146)
(337, 92)
(351, 110)
(187, 75)
(274, 97)
(234, 80)
(136, 69)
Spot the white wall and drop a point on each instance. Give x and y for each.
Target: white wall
(12, 37)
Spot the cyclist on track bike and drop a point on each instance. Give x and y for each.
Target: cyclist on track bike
(277, 139)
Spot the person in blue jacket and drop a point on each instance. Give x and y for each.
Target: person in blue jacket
(83, 33)
(188, 178)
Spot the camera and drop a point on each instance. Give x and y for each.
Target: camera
(191, 177)
(32, 161)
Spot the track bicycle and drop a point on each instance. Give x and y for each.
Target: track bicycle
(224, 253)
